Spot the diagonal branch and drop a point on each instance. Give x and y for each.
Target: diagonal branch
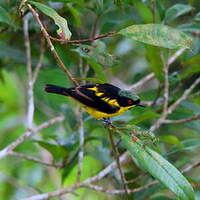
(52, 48)
(168, 121)
(4, 152)
(31, 158)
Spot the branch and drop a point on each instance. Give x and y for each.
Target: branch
(142, 82)
(175, 56)
(30, 109)
(31, 158)
(114, 192)
(184, 96)
(81, 143)
(88, 183)
(167, 121)
(84, 40)
(4, 152)
(166, 85)
(53, 51)
(116, 155)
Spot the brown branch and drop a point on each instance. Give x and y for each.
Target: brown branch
(116, 155)
(88, 183)
(114, 192)
(84, 40)
(166, 85)
(53, 51)
(4, 152)
(167, 121)
(31, 158)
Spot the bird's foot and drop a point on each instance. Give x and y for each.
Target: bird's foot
(107, 122)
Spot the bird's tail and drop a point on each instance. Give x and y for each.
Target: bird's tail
(56, 89)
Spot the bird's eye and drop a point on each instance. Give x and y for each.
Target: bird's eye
(130, 102)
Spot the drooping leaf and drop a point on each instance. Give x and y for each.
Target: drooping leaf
(158, 35)
(176, 11)
(160, 168)
(61, 22)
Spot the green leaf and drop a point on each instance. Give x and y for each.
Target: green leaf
(191, 28)
(159, 168)
(158, 35)
(55, 150)
(176, 11)
(171, 140)
(144, 116)
(4, 16)
(61, 22)
(98, 70)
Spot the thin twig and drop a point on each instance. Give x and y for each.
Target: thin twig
(168, 121)
(184, 96)
(81, 143)
(116, 155)
(166, 84)
(142, 82)
(114, 192)
(175, 56)
(84, 40)
(30, 109)
(88, 183)
(54, 52)
(31, 158)
(4, 152)
(171, 108)
(39, 64)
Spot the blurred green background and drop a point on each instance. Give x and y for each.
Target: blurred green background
(118, 60)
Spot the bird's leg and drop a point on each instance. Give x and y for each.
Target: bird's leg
(107, 121)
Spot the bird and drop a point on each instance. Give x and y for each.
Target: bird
(101, 100)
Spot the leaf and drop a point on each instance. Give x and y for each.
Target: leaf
(191, 28)
(55, 150)
(4, 16)
(159, 168)
(170, 139)
(158, 35)
(144, 116)
(98, 70)
(61, 22)
(176, 11)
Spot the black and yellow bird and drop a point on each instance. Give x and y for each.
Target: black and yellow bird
(99, 100)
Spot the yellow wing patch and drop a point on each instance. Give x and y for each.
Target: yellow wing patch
(99, 94)
(112, 102)
(93, 89)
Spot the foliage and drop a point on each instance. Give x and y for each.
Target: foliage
(119, 50)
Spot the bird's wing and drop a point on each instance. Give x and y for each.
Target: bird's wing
(94, 97)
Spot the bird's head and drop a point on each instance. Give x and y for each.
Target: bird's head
(128, 99)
